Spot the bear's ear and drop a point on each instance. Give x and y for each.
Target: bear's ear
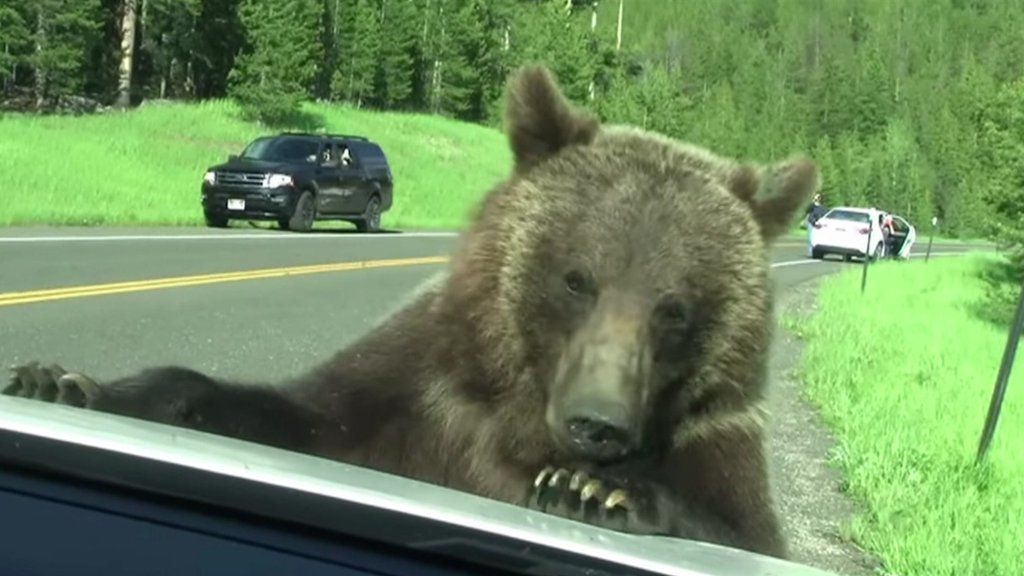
(540, 120)
(777, 196)
(744, 181)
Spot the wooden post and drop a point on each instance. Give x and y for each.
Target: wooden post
(996, 404)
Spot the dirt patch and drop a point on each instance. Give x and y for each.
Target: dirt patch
(807, 489)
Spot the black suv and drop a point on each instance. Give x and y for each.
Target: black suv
(298, 178)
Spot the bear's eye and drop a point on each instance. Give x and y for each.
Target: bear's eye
(672, 312)
(575, 282)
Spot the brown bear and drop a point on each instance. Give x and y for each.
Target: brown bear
(596, 349)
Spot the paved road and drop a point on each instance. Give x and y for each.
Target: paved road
(254, 325)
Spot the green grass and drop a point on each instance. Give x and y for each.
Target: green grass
(903, 376)
(145, 166)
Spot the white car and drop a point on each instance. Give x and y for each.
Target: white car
(846, 231)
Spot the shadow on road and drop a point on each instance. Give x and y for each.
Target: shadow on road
(315, 230)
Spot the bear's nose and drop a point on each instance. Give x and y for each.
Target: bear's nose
(600, 432)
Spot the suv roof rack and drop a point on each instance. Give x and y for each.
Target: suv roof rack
(326, 135)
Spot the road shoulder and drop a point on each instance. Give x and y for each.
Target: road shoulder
(808, 490)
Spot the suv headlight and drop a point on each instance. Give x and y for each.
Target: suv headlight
(278, 180)
(210, 177)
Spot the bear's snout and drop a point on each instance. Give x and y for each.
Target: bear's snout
(599, 396)
(600, 430)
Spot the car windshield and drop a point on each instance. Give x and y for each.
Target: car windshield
(849, 215)
(587, 259)
(284, 149)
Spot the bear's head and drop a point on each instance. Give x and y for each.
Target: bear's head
(615, 290)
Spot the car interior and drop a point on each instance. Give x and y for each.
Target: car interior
(900, 230)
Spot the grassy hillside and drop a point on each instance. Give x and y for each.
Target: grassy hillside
(903, 376)
(145, 166)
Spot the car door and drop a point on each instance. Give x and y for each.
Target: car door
(328, 179)
(911, 233)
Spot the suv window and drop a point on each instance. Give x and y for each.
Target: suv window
(371, 155)
(346, 154)
(329, 155)
(283, 149)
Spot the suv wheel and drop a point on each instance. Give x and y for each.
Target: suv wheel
(817, 254)
(371, 217)
(215, 221)
(304, 215)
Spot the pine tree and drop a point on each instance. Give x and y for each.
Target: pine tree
(547, 34)
(854, 170)
(343, 22)
(620, 100)
(452, 82)
(664, 107)
(328, 38)
(220, 35)
(14, 42)
(62, 33)
(720, 126)
(363, 52)
(1001, 131)
(359, 52)
(401, 19)
(276, 72)
(831, 191)
(168, 42)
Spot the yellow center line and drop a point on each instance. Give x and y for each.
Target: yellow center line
(12, 298)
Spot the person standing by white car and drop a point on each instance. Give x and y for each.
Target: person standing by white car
(814, 212)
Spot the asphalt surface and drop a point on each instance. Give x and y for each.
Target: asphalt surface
(254, 329)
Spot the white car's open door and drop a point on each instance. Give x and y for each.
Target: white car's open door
(911, 236)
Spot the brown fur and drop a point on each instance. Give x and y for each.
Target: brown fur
(467, 385)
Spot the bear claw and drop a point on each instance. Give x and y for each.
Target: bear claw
(558, 477)
(592, 489)
(542, 478)
(578, 479)
(579, 496)
(618, 497)
(51, 384)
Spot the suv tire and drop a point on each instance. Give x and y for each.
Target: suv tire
(215, 221)
(304, 215)
(370, 221)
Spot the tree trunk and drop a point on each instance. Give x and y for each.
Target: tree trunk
(190, 81)
(435, 81)
(618, 30)
(593, 32)
(40, 71)
(124, 77)
(7, 80)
